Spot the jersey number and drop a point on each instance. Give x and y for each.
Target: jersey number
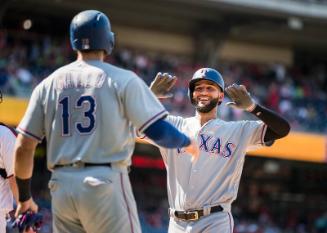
(89, 115)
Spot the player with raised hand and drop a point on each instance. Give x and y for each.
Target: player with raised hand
(88, 111)
(200, 193)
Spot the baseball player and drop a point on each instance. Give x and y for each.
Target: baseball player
(87, 111)
(201, 192)
(8, 188)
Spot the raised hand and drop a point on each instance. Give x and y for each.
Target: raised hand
(240, 97)
(162, 84)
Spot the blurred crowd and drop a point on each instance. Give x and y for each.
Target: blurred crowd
(299, 92)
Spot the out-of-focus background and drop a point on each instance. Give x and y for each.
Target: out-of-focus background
(277, 48)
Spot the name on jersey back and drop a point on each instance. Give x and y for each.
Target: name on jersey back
(80, 80)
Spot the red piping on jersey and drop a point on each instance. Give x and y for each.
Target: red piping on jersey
(128, 210)
(139, 135)
(30, 134)
(151, 119)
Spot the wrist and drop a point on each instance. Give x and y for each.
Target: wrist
(24, 189)
(187, 141)
(251, 107)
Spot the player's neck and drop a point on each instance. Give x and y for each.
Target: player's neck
(205, 117)
(98, 55)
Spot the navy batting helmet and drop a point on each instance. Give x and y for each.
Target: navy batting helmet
(206, 74)
(91, 30)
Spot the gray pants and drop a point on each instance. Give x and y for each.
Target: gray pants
(93, 200)
(221, 222)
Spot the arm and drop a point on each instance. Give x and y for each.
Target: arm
(166, 135)
(24, 157)
(278, 127)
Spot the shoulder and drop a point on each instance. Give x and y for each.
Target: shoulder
(121, 77)
(48, 81)
(117, 72)
(176, 119)
(243, 124)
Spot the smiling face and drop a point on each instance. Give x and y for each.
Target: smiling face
(206, 96)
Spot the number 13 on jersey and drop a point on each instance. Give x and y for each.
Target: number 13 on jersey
(85, 105)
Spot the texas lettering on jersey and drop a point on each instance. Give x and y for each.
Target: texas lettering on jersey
(213, 145)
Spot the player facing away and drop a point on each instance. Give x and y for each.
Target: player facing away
(201, 192)
(87, 111)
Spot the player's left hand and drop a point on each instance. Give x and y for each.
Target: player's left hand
(22, 207)
(240, 97)
(162, 84)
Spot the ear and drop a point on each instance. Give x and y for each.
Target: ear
(221, 96)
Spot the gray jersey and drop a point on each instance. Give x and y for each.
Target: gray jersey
(214, 178)
(7, 144)
(87, 111)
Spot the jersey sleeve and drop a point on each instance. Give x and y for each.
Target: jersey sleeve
(7, 150)
(169, 118)
(254, 132)
(141, 106)
(32, 124)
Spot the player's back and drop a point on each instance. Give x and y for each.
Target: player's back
(85, 113)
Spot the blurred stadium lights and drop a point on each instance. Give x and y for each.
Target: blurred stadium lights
(295, 23)
(271, 167)
(27, 24)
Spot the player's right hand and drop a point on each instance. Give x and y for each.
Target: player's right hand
(162, 84)
(193, 149)
(22, 207)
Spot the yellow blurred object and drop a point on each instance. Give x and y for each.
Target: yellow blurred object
(12, 110)
(296, 146)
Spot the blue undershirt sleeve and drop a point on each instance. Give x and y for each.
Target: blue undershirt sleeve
(166, 135)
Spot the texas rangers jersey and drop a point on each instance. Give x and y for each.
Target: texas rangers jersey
(7, 143)
(87, 111)
(214, 178)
